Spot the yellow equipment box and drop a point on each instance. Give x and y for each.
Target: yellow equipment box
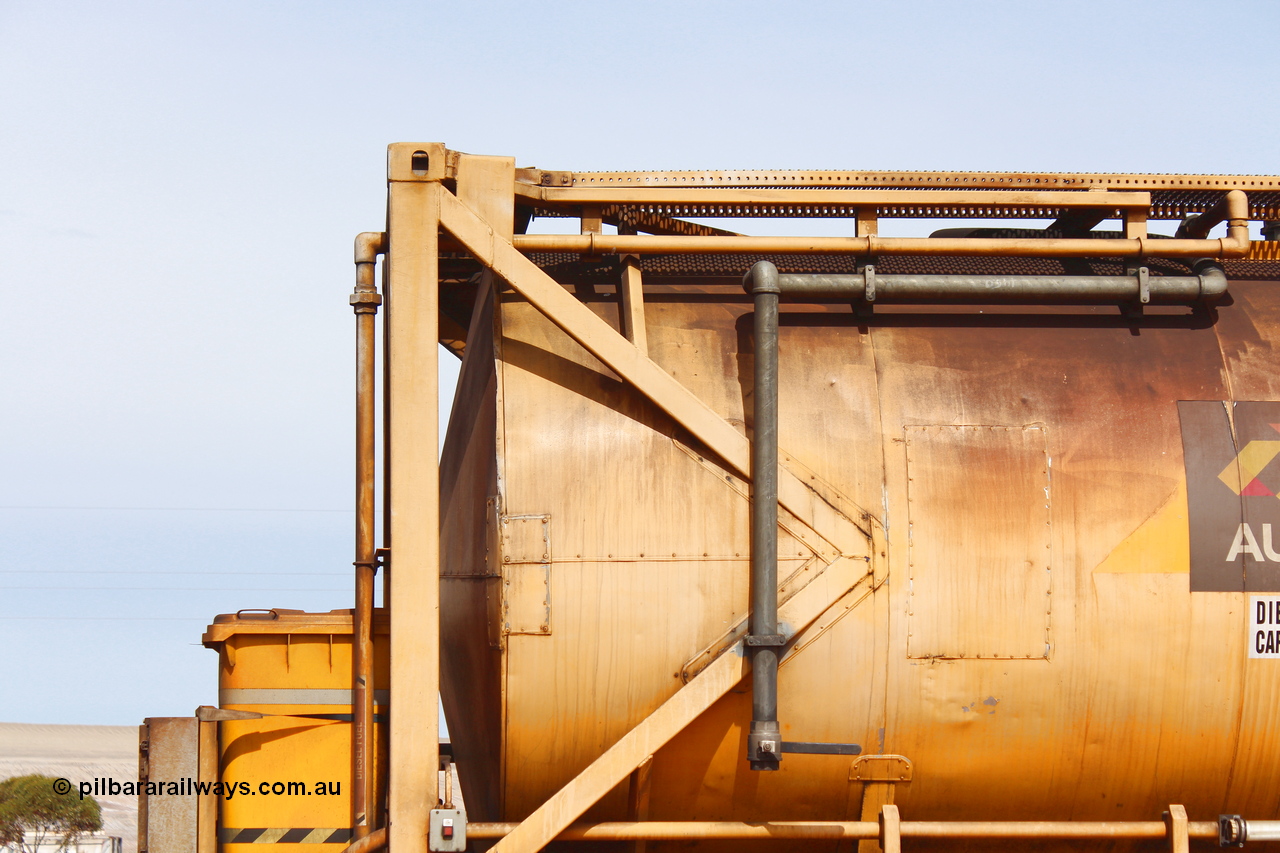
(286, 777)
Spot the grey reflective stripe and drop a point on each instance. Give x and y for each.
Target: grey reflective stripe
(292, 696)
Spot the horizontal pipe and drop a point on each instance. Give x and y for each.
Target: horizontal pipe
(1051, 829)
(1234, 245)
(669, 830)
(677, 830)
(1029, 247)
(1262, 830)
(1208, 285)
(1198, 227)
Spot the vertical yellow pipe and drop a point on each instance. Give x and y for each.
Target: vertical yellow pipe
(364, 301)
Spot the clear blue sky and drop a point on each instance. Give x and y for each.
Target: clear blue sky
(180, 183)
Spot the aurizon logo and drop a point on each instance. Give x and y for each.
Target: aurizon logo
(1243, 477)
(1241, 473)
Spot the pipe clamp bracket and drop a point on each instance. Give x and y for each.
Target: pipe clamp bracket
(1232, 831)
(772, 641)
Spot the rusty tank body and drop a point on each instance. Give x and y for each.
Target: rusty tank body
(1022, 621)
(958, 541)
(1011, 572)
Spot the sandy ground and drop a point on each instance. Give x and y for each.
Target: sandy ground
(79, 754)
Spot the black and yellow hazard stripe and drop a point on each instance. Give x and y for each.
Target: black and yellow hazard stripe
(285, 835)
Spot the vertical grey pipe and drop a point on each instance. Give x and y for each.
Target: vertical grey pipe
(764, 741)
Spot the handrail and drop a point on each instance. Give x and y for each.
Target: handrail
(1234, 245)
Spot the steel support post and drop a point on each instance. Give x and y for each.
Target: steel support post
(413, 217)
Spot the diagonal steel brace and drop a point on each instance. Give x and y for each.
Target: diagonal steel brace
(634, 367)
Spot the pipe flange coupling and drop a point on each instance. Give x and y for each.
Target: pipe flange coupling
(366, 301)
(1232, 830)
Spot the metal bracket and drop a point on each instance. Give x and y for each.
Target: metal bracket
(800, 747)
(210, 714)
(1177, 829)
(556, 179)
(381, 560)
(890, 829)
(764, 745)
(1133, 309)
(866, 309)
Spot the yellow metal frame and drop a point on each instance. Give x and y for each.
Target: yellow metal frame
(468, 202)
